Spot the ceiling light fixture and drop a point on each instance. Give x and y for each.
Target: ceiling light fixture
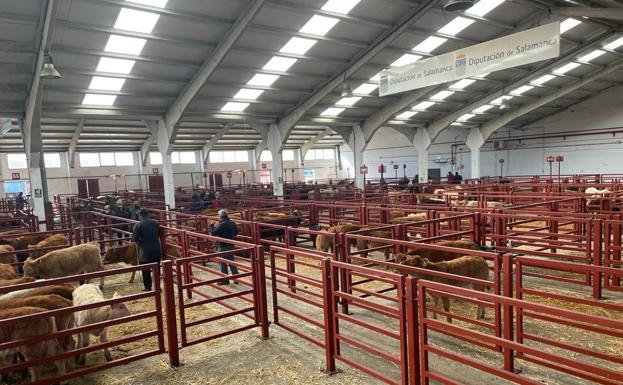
(456, 5)
(48, 71)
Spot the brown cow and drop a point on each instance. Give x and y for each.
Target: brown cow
(16, 281)
(438, 255)
(323, 242)
(466, 266)
(7, 271)
(65, 291)
(51, 241)
(7, 258)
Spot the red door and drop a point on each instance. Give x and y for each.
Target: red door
(156, 183)
(83, 190)
(94, 187)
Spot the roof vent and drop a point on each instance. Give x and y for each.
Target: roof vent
(456, 5)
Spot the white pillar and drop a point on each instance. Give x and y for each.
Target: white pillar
(357, 144)
(300, 171)
(274, 145)
(36, 187)
(166, 149)
(422, 142)
(475, 140)
(251, 175)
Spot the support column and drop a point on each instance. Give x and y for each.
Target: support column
(300, 170)
(475, 141)
(274, 145)
(166, 148)
(422, 142)
(357, 144)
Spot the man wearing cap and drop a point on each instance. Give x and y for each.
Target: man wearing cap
(226, 229)
(147, 237)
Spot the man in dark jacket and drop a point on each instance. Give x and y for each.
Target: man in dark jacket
(226, 229)
(147, 237)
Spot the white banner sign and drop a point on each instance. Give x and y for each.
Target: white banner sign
(521, 48)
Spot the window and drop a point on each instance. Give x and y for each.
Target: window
(107, 158)
(155, 158)
(124, 159)
(266, 156)
(17, 161)
(89, 159)
(229, 156)
(320, 154)
(52, 160)
(187, 157)
(17, 186)
(288, 155)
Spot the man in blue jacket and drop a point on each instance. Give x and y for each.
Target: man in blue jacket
(146, 235)
(226, 229)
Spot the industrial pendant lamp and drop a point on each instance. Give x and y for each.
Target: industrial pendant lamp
(456, 5)
(346, 90)
(48, 71)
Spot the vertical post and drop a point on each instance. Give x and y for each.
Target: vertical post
(412, 332)
(597, 257)
(260, 289)
(169, 301)
(507, 311)
(421, 306)
(475, 140)
(329, 315)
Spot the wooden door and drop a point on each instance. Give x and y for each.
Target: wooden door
(83, 190)
(94, 187)
(156, 183)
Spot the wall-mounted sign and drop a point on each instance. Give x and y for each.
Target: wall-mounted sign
(382, 168)
(396, 167)
(263, 165)
(228, 174)
(363, 170)
(155, 171)
(38, 193)
(514, 50)
(15, 175)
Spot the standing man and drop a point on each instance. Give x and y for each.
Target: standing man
(226, 229)
(20, 201)
(147, 237)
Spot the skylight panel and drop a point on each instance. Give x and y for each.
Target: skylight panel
(482, 109)
(483, 7)
(566, 68)
(442, 95)
(501, 99)
(99, 100)
(116, 66)
(592, 55)
(235, 107)
(125, 45)
(332, 111)
(319, 25)
(423, 105)
(248, 93)
(153, 3)
(542, 80)
(376, 78)
(348, 101)
(462, 84)
(406, 115)
(615, 44)
(106, 83)
(298, 46)
(465, 117)
(365, 89)
(406, 59)
(263, 80)
(340, 6)
(136, 21)
(569, 24)
(278, 63)
(521, 90)
(430, 44)
(455, 26)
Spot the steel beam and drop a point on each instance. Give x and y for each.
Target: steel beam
(491, 126)
(145, 147)
(314, 140)
(214, 140)
(175, 113)
(6, 124)
(598, 13)
(71, 153)
(286, 123)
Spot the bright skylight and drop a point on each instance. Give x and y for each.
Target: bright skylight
(442, 95)
(405, 59)
(248, 93)
(153, 3)
(348, 101)
(235, 107)
(501, 99)
(455, 26)
(126, 45)
(521, 90)
(117, 66)
(376, 78)
(430, 44)
(592, 55)
(278, 63)
(99, 100)
(569, 24)
(483, 109)
(566, 68)
(136, 21)
(365, 88)
(406, 115)
(462, 84)
(298, 46)
(332, 111)
(340, 6)
(483, 7)
(106, 84)
(263, 80)
(423, 105)
(543, 79)
(465, 117)
(319, 25)
(615, 44)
